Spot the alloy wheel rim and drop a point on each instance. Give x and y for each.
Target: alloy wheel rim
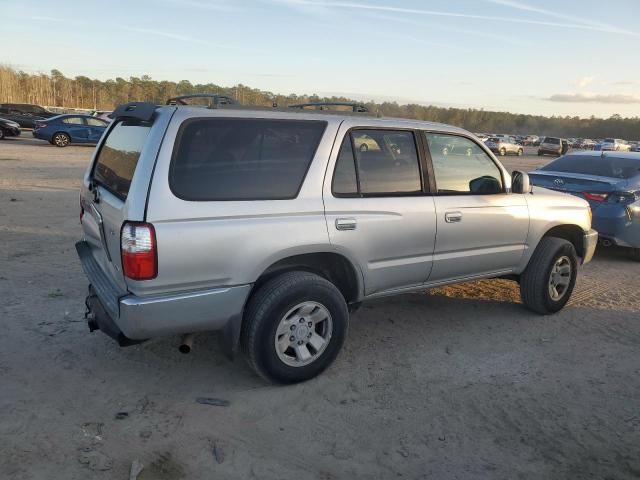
(61, 140)
(560, 278)
(303, 334)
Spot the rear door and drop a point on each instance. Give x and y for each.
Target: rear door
(115, 190)
(96, 128)
(76, 129)
(377, 210)
(481, 228)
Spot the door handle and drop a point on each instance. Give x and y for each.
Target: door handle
(346, 223)
(453, 217)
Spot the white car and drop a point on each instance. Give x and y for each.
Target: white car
(615, 145)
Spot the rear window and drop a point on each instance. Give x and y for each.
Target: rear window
(119, 156)
(555, 141)
(609, 140)
(243, 159)
(596, 165)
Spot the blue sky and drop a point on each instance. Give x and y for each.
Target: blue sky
(562, 57)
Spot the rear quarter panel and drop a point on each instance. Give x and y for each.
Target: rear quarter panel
(205, 244)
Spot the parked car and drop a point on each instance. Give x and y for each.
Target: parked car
(8, 128)
(23, 113)
(530, 140)
(550, 146)
(106, 115)
(615, 145)
(67, 129)
(636, 147)
(271, 226)
(610, 182)
(504, 146)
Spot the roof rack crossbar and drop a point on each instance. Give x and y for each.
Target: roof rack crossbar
(215, 99)
(355, 107)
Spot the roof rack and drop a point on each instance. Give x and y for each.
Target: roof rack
(135, 110)
(355, 107)
(215, 99)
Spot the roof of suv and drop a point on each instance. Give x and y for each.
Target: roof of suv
(329, 116)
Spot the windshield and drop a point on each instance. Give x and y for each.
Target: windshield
(595, 165)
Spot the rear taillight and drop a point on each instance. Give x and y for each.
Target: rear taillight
(138, 251)
(596, 197)
(39, 125)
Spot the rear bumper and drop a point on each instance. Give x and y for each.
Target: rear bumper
(11, 131)
(616, 227)
(129, 318)
(589, 243)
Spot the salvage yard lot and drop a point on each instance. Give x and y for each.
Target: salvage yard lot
(459, 382)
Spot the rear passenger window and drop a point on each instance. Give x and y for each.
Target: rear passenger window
(73, 120)
(386, 163)
(119, 156)
(243, 159)
(461, 166)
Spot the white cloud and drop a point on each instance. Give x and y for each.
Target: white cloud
(593, 98)
(585, 81)
(438, 13)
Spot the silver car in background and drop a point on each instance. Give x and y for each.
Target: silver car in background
(504, 146)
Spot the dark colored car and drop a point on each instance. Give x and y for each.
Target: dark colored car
(8, 128)
(65, 129)
(610, 182)
(24, 114)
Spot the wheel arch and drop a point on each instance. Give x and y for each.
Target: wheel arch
(333, 266)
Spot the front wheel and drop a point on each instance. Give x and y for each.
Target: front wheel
(1, 134)
(547, 282)
(61, 139)
(635, 254)
(294, 327)
(503, 152)
(520, 152)
(540, 153)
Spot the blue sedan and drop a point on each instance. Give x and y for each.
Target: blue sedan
(63, 130)
(610, 182)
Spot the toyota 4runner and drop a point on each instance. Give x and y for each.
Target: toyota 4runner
(272, 225)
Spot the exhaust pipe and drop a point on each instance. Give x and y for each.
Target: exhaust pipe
(606, 243)
(186, 344)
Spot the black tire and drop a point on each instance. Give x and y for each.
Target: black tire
(1, 134)
(503, 152)
(634, 254)
(520, 152)
(270, 304)
(61, 139)
(364, 147)
(540, 153)
(534, 281)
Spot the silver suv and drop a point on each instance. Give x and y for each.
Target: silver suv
(272, 225)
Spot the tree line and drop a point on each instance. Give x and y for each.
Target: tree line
(55, 89)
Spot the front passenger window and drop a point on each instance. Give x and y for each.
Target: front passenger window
(462, 167)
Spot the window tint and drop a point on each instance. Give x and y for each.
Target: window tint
(345, 181)
(596, 165)
(243, 159)
(94, 122)
(73, 120)
(461, 166)
(119, 156)
(554, 141)
(387, 161)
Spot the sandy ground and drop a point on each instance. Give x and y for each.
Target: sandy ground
(456, 383)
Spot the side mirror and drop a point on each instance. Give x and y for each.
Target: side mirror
(520, 182)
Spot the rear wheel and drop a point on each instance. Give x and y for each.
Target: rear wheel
(635, 254)
(540, 153)
(547, 282)
(61, 139)
(520, 152)
(1, 134)
(294, 327)
(503, 152)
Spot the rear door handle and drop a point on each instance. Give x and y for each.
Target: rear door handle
(453, 217)
(346, 223)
